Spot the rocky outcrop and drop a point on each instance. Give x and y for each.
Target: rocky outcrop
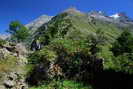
(34, 25)
(119, 19)
(4, 36)
(3, 53)
(18, 50)
(13, 77)
(14, 80)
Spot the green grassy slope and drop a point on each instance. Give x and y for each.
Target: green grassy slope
(76, 26)
(65, 40)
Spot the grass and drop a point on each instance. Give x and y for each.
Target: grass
(8, 64)
(66, 84)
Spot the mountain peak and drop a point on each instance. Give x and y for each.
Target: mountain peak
(73, 10)
(118, 15)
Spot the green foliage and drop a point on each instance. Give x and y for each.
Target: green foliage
(124, 63)
(42, 55)
(107, 55)
(2, 42)
(122, 49)
(8, 64)
(69, 45)
(81, 48)
(67, 84)
(71, 55)
(95, 40)
(14, 26)
(123, 44)
(18, 31)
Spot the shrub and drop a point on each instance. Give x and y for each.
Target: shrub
(8, 64)
(123, 44)
(124, 63)
(42, 55)
(2, 42)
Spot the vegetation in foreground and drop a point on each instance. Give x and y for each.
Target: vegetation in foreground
(66, 84)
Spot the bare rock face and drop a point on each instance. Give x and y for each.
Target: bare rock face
(34, 25)
(21, 49)
(18, 50)
(4, 36)
(14, 80)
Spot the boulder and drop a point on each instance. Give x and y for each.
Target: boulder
(9, 84)
(14, 80)
(3, 53)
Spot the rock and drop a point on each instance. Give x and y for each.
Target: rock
(37, 23)
(2, 87)
(55, 71)
(14, 80)
(21, 49)
(10, 80)
(35, 45)
(3, 53)
(9, 84)
(4, 37)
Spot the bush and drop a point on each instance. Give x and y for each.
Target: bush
(72, 56)
(42, 55)
(124, 63)
(123, 44)
(8, 64)
(2, 42)
(69, 45)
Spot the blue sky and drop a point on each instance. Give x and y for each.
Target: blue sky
(28, 10)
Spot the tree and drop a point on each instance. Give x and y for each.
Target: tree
(95, 40)
(18, 31)
(123, 44)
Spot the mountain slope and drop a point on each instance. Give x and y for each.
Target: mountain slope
(118, 19)
(75, 25)
(79, 46)
(34, 25)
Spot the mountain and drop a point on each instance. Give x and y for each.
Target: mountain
(72, 50)
(35, 24)
(75, 24)
(79, 45)
(116, 16)
(4, 36)
(119, 19)
(121, 16)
